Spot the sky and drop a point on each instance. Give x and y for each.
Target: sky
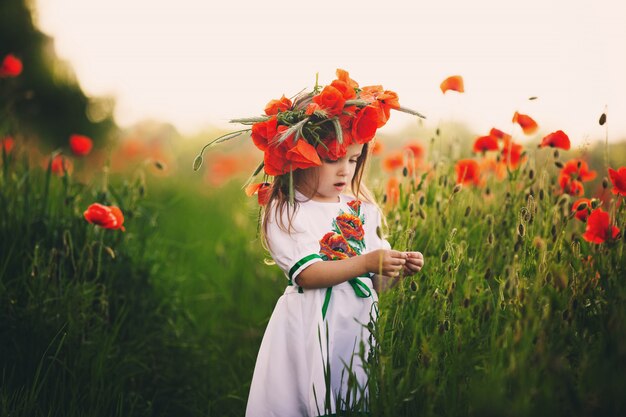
(198, 63)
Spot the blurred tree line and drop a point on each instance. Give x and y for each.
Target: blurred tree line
(45, 101)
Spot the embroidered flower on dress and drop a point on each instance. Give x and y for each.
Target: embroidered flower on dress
(350, 226)
(334, 246)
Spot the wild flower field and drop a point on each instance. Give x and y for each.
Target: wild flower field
(518, 311)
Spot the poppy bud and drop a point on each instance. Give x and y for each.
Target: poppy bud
(490, 238)
(531, 174)
(605, 183)
(487, 191)
(468, 210)
(421, 200)
(521, 230)
(444, 256)
(466, 302)
(437, 132)
(556, 153)
(558, 164)
(581, 206)
(541, 194)
(422, 213)
(405, 172)
(413, 286)
(197, 163)
(411, 207)
(457, 188)
(595, 203)
(602, 120)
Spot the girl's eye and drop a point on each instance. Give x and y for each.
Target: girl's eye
(328, 161)
(353, 161)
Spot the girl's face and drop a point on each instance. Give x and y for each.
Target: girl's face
(333, 177)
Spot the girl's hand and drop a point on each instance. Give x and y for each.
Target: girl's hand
(414, 262)
(386, 262)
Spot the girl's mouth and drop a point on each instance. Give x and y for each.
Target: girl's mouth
(339, 185)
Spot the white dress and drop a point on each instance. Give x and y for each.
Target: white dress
(312, 328)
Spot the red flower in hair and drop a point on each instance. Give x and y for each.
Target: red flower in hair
(485, 143)
(263, 190)
(528, 125)
(109, 217)
(80, 145)
(346, 91)
(334, 246)
(264, 132)
(333, 151)
(572, 176)
(303, 155)
(598, 228)
(581, 214)
(382, 100)
(11, 66)
(275, 106)
(7, 144)
(331, 100)
(556, 139)
(342, 75)
(618, 179)
(365, 125)
(467, 172)
(454, 83)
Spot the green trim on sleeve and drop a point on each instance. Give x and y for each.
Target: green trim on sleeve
(302, 262)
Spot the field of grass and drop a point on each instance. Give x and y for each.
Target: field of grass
(515, 313)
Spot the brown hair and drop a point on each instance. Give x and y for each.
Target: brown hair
(279, 196)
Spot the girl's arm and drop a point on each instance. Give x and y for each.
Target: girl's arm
(387, 262)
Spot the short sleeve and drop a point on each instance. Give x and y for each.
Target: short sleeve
(292, 250)
(374, 230)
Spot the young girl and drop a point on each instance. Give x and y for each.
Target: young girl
(328, 246)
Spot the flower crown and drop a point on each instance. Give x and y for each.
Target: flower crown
(317, 125)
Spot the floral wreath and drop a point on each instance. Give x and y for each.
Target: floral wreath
(316, 125)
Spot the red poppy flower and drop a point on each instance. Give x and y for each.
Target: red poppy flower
(498, 134)
(263, 190)
(7, 144)
(598, 228)
(342, 75)
(416, 148)
(618, 179)
(109, 217)
(528, 125)
(365, 125)
(512, 154)
(355, 205)
(382, 100)
(347, 91)
(61, 165)
(263, 132)
(11, 66)
(333, 150)
(334, 246)
(556, 139)
(581, 214)
(377, 149)
(303, 155)
(491, 165)
(572, 176)
(392, 190)
(312, 108)
(393, 161)
(350, 226)
(275, 106)
(331, 100)
(454, 83)
(485, 143)
(467, 172)
(80, 145)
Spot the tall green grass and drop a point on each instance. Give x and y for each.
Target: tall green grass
(513, 314)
